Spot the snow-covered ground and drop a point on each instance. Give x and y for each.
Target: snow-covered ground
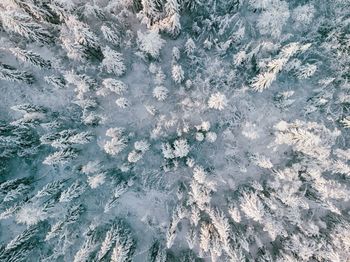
(174, 130)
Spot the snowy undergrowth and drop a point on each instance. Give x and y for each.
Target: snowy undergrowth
(174, 130)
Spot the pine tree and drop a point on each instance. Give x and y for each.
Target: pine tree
(56, 81)
(73, 191)
(10, 73)
(23, 25)
(78, 40)
(19, 248)
(113, 62)
(61, 157)
(150, 43)
(157, 253)
(111, 34)
(31, 57)
(73, 214)
(177, 73)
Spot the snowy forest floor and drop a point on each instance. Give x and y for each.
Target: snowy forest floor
(174, 130)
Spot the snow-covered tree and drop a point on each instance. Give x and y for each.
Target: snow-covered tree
(110, 34)
(78, 40)
(273, 18)
(150, 43)
(160, 93)
(31, 57)
(113, 62)
(177, 73)
(61, 157)
(217, 101)
(115, 86)
(10, 73)
(117, 143)
(22, 24)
